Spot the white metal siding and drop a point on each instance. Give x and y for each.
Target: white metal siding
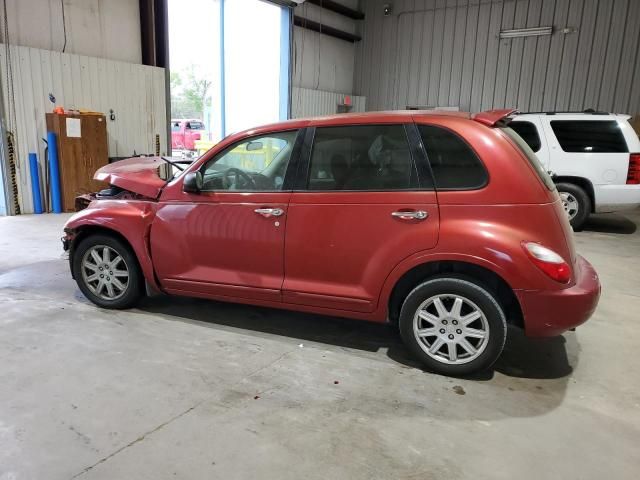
(447, 52)
(136, 93)
(312, 103)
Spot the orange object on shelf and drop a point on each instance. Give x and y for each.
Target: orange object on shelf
(59, 110)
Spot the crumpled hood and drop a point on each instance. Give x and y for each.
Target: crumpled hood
(139, 175)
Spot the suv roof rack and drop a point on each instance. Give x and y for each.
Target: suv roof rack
(553, 112)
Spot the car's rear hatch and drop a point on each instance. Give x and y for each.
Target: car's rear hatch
(559, 232)
(563, 244)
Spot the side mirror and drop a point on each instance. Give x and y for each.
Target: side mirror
(253, 146)
(192, 182)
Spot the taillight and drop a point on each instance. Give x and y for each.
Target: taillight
(552, 264)
(633, 175)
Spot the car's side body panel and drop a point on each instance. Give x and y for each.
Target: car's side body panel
(342, 253)
(215, 243)
(355, 243)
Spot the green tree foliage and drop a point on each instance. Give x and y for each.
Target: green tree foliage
(190, 93)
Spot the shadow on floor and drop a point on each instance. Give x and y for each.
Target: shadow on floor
(522, 357)
(610, 223)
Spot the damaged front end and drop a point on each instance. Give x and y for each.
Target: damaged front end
(138, 178)
(111, 193)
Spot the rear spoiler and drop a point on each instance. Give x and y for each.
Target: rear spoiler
(492, 117)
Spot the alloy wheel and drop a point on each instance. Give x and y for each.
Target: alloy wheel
(451, 329)
(570, 204)
(105, 272)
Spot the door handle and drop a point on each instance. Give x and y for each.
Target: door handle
(269, 212)
(413, 215)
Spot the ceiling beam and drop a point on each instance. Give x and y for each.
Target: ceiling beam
(338, 8)
(325, 29)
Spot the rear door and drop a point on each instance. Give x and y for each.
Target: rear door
(362, 205)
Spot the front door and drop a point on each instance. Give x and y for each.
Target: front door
(362, 208)
(228, 240)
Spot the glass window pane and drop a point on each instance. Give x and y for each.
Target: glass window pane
(454, 164)
(256, 164)
(528, 132)
(256, 83)
(589, 136)
(361, 157)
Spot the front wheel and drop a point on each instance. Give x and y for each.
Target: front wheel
(107, 272)
(453, 325)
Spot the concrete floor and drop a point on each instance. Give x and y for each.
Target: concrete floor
(182, 388)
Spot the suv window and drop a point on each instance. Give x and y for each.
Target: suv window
(455, 166)
(195, 126)
(361, 157)
(589, 136)
(254, 164)
(528, 132)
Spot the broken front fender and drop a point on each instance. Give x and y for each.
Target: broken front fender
(130, 220)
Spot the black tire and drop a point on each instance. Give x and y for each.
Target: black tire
(583, 200)
(135, 284)
(489, 348)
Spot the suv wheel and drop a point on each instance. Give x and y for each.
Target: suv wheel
(107, 272)
(453, 325)
(576, 203)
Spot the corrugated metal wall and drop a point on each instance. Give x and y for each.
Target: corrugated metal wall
(447, 52)
(312, 103)
(134, 92)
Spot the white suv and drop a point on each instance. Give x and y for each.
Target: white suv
(593, 157)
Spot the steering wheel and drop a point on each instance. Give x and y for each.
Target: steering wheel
(234, 177)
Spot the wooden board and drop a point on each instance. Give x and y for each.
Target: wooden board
(79, 157)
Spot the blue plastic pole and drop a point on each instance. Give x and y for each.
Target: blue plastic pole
(54, 173)
(35, 183)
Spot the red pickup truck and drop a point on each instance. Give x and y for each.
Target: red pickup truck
(185, 132)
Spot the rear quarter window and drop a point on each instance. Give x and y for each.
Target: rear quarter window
(589, 136)
(454, 164)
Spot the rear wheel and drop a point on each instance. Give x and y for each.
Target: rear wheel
(453, 325)
(107, 272)
(576, 203)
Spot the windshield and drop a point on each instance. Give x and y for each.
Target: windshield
(532, 157)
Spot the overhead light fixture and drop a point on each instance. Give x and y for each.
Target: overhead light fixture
(526, 32)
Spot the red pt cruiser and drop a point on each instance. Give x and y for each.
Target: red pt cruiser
(444, 224)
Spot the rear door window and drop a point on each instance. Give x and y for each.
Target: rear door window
(589, 136)
(528, 132)
(361, 157)
(454, 164)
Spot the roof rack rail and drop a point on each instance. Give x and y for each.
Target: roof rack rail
(590, 111)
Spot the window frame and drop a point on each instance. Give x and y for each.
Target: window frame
(292, 166)
(473, 150)
(424, 179)
(535, 128)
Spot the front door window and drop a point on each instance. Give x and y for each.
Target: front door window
(258, 164)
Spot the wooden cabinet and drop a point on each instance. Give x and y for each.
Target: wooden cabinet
(82, 149)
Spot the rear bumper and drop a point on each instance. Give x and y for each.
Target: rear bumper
(616, 198)
(550, 313)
